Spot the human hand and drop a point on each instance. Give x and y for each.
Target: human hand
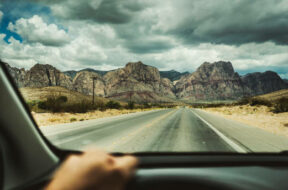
(95, 170)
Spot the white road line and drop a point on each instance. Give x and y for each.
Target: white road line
(234, 145)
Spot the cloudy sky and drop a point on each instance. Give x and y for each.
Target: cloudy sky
(168, 34)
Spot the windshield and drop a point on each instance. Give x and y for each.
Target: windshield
(152, 76)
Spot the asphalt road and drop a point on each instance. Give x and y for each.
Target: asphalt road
(176, 130)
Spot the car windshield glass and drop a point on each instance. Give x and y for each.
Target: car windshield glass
(152, 76)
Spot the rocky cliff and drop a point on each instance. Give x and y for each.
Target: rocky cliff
(17, 74)
(141, 83)
(83, 82)
(46, 75)
(211, 81)
(262, 83)
(139, 79)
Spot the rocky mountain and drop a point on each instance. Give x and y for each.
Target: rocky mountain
(83, 82)
(262, 83)
(17, 74)
(139, 79)
(143, 83)
(211, 81)
(172, 75)
(46, 75)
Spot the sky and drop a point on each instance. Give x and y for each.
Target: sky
(167, 34)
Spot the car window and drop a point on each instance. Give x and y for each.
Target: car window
(152, 76)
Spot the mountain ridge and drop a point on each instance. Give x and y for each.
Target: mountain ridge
(143, 83)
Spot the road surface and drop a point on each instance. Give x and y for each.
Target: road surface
(169, 130)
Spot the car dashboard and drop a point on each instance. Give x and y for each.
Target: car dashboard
(220, 172)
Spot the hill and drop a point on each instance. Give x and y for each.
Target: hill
(275, 95)
(40, 94)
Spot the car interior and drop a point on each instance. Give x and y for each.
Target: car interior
(28, 159)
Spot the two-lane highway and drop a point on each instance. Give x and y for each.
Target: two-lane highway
(169, 130)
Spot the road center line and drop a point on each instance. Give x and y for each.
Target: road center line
(230, 142)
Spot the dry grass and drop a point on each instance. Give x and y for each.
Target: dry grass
(45, 119)
(275, 95)
(257, 116)
(31, 94)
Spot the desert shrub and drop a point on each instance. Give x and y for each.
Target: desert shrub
(62, 99)
(81, 119)
(32, 104)
(259, 102)
(100, 105)
(73, 119)
(42, 105)
(146, 105)
(81, 107)
(113, 105)
(244, 101)
(208, 105)
(59, 104)
(281, 105)
(53, 104)
(131, 105)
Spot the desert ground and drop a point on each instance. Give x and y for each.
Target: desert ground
(256, 116)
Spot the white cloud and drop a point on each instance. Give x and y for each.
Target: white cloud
(85, 49)
(35, 30)
(102, 45)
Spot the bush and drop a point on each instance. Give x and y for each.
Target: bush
(59, 104)
(42, 105)
(31, 104)
(244, 101)
(147, 105)
(281, 105)
(100, 105)
(131, 105)
(259, 102)
(62, 99)
(113, 105)
(81, 107)
(73, 119)
(254, 102)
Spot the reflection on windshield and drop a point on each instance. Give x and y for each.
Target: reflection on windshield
(149, 76)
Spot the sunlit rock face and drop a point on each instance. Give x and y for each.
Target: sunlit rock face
(83, 82)
(46, 75)
(212, 81)
(138, 78)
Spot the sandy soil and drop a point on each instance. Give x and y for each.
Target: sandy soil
(44, 119)
(257, 116)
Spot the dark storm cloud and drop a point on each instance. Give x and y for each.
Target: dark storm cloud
(233, 22)
(222, 21)
(102, 11)
(168, 34)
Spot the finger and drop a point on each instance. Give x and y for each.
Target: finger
(127, 164)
